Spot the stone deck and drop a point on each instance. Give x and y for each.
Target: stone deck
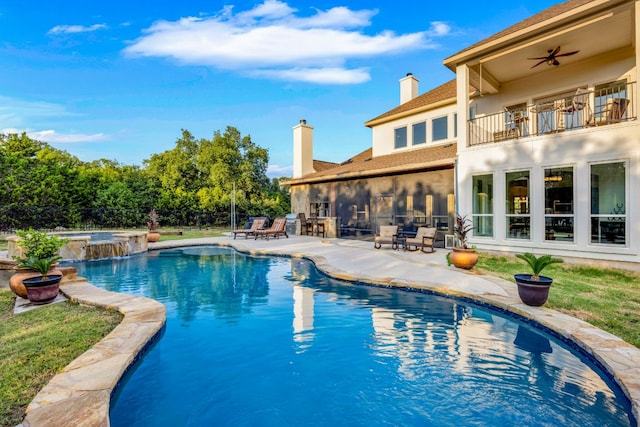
(79, 396)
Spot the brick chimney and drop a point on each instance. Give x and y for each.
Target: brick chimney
(302, 149)
(408, 88)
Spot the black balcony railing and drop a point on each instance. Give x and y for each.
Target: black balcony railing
(577, 109)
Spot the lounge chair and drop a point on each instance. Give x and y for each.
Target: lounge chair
(388, 235)
(425, 238)
(257, 224)
(277, 229)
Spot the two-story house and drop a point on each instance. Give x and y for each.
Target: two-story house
(549, 156)
(405, 178)
(536, 139)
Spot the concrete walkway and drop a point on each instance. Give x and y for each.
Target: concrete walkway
(80, 394)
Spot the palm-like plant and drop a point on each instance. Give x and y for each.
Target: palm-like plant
(538, 264)
(40, 265)
(462, 228)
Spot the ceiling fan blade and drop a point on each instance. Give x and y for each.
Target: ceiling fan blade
(554, 52)
(568, 53)
(541, 62)
(555, 62)
(540, 57)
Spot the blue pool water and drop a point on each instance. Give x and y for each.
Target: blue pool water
(269, 341)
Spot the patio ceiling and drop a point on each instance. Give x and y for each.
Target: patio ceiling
(503, 60)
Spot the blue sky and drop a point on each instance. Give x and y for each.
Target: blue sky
(119, 80)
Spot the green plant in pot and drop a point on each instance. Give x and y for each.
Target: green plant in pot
(533, 288)
(45, 286)
(35, 246)
(463, 255)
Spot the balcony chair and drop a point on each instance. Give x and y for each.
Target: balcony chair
(614, 111)
(579, 102)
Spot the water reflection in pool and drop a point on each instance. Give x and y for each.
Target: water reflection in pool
(270, 341)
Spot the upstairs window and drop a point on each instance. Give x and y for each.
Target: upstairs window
(400, 137)
(439, 130)
(419, 133)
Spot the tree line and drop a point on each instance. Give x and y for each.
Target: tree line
(197, 175)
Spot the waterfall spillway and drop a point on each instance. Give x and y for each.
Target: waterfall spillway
(107, 249)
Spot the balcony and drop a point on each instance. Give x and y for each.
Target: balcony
(580, 108)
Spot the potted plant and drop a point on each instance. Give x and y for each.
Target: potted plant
(462, 255)
(533, 288)
(35, 245)
(45, 286)
(153, 222)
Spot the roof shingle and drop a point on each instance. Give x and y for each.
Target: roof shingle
(364, 165)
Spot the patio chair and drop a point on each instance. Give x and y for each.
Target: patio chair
(306, 225)
(277, 229)
(425, 238)
(387, 236)
(257, 224)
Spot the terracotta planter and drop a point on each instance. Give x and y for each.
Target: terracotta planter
(463, 258)
(41, 290)
(15, 281)
(153, 236)
(533, 292)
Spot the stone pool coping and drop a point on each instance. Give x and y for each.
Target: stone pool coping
(80, 394)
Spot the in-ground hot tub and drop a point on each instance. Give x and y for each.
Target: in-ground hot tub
(93, 245)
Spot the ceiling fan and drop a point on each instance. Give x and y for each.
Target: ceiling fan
(551, 59)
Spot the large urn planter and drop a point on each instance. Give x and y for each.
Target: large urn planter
(533, 292)
(463, 258)
(153, 236)
(42, 289)
(15, 281)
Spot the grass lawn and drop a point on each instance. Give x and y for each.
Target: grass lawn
(605, 297)
(37, 344)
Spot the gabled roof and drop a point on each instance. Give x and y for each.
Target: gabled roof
(363, 165)
(443, 94)
(527, 24)
(321, 165)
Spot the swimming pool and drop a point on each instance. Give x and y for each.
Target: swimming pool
(270, 341)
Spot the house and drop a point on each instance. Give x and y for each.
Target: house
(405, 178)
(549, 156)
(536, 139)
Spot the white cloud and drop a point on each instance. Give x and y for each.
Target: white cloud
(319, 75)
(276, 171)
(17, 112)
(273, 40)
(439, 29)
(53, 137)
(72, 29)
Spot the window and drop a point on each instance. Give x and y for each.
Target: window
(608, 203)
(400, 137)
(320, 209)
(517, 205)
(558, 204)
(439, 128)
(455, 125)
(483, 205)
(419, 133)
